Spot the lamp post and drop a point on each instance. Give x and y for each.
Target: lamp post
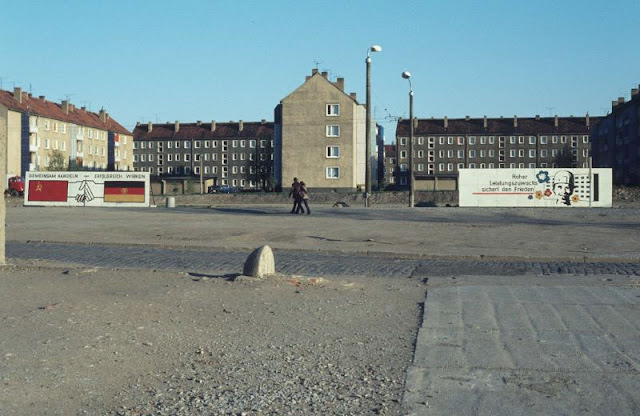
(407, 75)
(367, 127)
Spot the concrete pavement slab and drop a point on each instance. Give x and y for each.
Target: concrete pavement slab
(528, 345)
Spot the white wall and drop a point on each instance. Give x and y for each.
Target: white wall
(539, 187)
(86, 189)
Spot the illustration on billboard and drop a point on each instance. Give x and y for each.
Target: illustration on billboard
(535, 187)
(87, 188)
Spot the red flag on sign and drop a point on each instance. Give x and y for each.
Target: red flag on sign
(48, 191)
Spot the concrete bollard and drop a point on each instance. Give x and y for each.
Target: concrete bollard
(260, 263)
(171, 202)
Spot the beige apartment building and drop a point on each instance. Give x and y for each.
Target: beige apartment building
(319, 136)
(36, 131)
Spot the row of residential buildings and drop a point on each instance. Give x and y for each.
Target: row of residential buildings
(318, 134)
(36, 131)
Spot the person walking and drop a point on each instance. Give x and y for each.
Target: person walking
(295, 193)
(304, 196)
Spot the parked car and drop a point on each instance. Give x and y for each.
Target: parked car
(16, 186)
(224, 189)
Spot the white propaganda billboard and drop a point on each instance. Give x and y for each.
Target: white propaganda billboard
(540, 187)
(87, 189)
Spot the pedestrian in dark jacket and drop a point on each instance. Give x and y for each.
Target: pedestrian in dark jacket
(295, 193)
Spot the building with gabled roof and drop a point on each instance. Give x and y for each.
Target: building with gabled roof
(319, 136)
(34, 129)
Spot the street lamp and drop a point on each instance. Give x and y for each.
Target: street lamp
(407, 75)
(367, 128)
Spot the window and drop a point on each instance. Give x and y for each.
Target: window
(187, 144)
(252, 144)
(420, 154)
(513, 139)
(472, 154)
(441, 140)
(177, 144)
(532, 165)
(187, 157)
(460, 154)
(472, 140)
(421, 140)
(483, 140)
(585, 139)
(403, 154)
(521, 140)
(333, 110)
(532, 139)
(543, 139)
(333, 130)
(420, 167)
(333, 151)
(403, 141)
(196, 144)
(512, 153)
(207, 144)
(554, 139)
(521, 153)
(543, 152)
(461, 141)
(404, 167)
(450, 167)
(532, 153)
(333, 173)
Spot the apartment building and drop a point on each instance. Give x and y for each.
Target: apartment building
(616, 140)
(442, 146)
(388, 166)
(319, 136)
(238, 154)
(37, 131)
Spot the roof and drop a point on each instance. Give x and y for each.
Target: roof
(44, 108)
(338, 85)
(250, 130)
(499, 126)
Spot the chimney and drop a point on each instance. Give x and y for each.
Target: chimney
(485, 124)
(177, 126)
(555, 121)
(467, 118)
(340, 84)
(213, 125)
(263, 121)
(586, 120)
(538, 117)
(515, 122)
(65, 106)
(41, 97)
(325, 74)
(307, 78)
(103, 115)
(240, 125)
(149, 127)
(354, 96)
(446, 122)
(415, 123)
(314, 71)
(620, 100)
(17, 94)
(137, 123)
(634, 92)
(198, 123)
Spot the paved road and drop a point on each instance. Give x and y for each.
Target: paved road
(221, 262)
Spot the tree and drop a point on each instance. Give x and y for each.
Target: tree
(56, 161)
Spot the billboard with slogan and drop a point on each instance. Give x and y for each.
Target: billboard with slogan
(539, 187)
(87, 189)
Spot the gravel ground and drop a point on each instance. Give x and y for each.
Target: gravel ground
(86, 341)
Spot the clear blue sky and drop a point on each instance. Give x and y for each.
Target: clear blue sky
(229, 60)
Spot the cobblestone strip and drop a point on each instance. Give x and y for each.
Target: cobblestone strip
(298, 263)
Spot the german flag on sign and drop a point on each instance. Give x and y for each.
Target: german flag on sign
(124, 191)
